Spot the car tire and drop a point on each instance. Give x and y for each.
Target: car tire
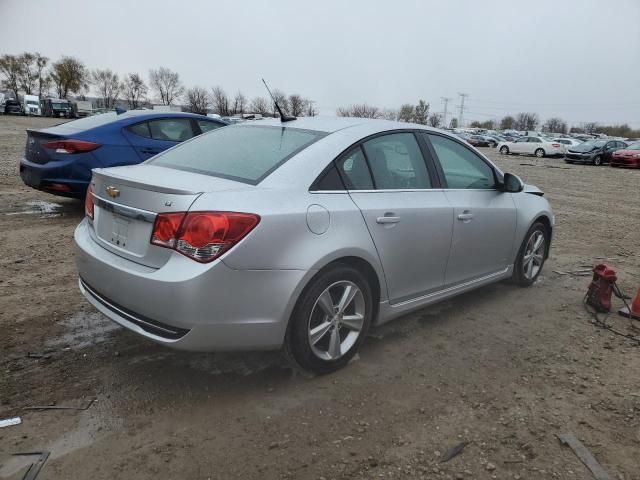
(332, 334)
(597, 160)
(539, 153)
(504, 150)
(525, 268)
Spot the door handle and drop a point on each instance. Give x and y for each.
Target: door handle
(465, 216)
(387, 219)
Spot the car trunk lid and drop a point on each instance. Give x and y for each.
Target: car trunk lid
(128, 199)
(34, 150)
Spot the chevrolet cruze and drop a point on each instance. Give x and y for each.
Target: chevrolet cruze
(302, 235)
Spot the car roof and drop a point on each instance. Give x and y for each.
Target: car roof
(333, 124)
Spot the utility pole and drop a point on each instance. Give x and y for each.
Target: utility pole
(463, 96)
(444, 115)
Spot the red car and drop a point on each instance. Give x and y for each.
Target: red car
(627, 157)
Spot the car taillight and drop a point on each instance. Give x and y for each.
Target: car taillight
(71, 146)
(88, 203)
(555, 145)
(202, 236)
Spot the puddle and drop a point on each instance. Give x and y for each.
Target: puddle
(40, 207)
(90, 426)
(84, 329)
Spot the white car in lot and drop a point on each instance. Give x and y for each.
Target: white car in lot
(538, 146)
(568, 142)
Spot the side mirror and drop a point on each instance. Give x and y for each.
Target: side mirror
(512, 183)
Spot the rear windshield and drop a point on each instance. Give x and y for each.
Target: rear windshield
(89, 122)
(242, 153)
(634, 146)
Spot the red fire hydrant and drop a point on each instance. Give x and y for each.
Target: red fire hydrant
(601, 287)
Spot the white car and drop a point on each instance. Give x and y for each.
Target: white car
(568, 142)
(538, 146)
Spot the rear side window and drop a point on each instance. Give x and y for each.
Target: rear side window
(171, 129)
(246, 153)
(140, 129)
(462, 168)
(396, 162)
(354, 170)
(207, 126)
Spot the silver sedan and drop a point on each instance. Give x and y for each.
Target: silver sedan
(302, 235)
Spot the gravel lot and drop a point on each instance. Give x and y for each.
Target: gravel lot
(504, 368)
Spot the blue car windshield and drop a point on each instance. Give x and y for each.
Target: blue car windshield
(245, 153)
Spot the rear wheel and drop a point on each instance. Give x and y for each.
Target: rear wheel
(597, 160)
(330, 320)
(504, 150)
(539, 153)
(531, 256)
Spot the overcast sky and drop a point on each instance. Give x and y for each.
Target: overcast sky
(578, 59)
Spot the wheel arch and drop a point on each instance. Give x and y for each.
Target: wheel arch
(546, 221)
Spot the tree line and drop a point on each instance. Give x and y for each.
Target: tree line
(33, 73)
(418, 113)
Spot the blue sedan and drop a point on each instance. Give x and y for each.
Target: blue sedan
(59, 159)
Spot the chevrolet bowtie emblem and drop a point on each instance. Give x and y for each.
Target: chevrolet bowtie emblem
(112, 191)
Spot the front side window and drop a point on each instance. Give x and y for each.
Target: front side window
(171, 129)
(243, 153)
(396, 162)
(354, 170)
(462, 168)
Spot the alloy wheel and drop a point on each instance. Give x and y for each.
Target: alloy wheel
(336, 320)
(533, 255)
(539, 153)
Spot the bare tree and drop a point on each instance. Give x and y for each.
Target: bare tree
(507, 123)
(166, 84)
(296, 105)
(389, 114)
(44, 80)
(406, 113)
(134, 90)
(220, 101)
(589, 127)
(526, 121)
(198, 100)
(10, 69)
(27, 73)
(108, 85)
(435, 120)
(421, 112)
(310, 110)
(555, 125)
(259, 105)
(239, 103)
(359, 110)
(69, 75)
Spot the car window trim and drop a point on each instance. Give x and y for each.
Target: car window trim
(443, 179)
(146, 122)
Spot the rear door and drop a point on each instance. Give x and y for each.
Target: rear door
(408, 216)
(151, 137)
(484, 218)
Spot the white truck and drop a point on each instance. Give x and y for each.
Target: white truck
(31, 105)
(83, 108)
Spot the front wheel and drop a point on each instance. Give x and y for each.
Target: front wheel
(504, 150)
(597, 161)
(330, 320)
(531, 256)
(539, 153)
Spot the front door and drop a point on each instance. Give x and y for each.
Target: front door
(409, 221)
(484, 218)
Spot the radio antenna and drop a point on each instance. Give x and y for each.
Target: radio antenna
(283, 117)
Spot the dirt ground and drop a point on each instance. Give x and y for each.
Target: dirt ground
(503, 368)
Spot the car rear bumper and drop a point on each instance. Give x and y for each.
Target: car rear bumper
(625, 162)
(68, 178)
(188, 305)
